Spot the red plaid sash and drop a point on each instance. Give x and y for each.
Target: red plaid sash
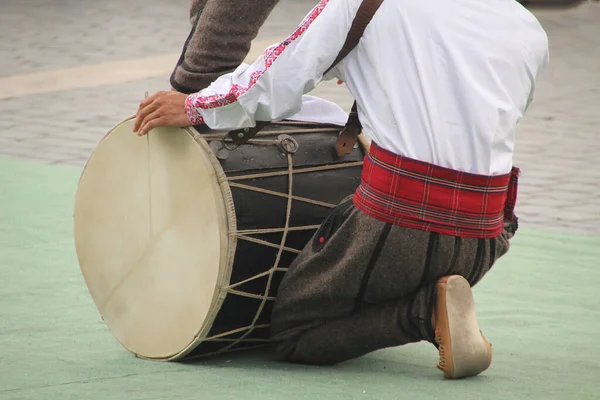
(419, 195)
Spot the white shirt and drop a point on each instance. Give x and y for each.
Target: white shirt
(440, 81)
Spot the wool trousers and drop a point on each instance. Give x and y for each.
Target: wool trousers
(361, 285)
(222, 31)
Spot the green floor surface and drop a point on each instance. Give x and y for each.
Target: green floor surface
(539, 306)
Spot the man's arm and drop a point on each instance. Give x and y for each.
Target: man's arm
(273, 86)
(219, 41)
(267, 90)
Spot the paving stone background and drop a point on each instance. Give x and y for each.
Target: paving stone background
(558, 144)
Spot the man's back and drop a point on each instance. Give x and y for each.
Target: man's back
(437, 81)
(447, 82)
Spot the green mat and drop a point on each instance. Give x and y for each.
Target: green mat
(538, 306)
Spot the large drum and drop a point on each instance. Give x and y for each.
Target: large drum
(183, 243)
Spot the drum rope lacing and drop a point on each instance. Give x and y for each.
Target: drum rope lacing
(297, 171)
(244, 234)
(265, 297)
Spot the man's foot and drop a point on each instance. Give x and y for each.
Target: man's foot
(464, 351)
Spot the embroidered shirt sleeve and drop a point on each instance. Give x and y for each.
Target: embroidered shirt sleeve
(273, 86)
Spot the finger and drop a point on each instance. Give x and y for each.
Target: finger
(138, 117)
(147, 101)
(143, 114)
(137, 121)
(150, 117)
(151, 125)
(151, 99)
(143, 105)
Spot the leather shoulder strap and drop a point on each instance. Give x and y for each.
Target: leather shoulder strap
(364, 15)
(353, 128)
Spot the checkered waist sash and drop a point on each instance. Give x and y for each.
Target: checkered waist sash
(420, 195)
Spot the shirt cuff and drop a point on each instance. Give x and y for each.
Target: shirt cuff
(192, 111)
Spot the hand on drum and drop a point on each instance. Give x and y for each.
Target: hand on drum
(161, 109)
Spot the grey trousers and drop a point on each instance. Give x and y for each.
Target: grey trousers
(361, 285)
(222, 31)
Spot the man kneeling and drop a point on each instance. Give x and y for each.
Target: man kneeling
(440, 87)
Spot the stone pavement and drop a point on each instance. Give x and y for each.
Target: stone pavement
(72, 69)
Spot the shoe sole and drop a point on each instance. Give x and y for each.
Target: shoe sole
(465, 351)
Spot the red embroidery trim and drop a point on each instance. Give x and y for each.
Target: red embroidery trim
(192, 112)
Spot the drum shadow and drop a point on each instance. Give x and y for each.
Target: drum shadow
(263, 354)
(383, 363)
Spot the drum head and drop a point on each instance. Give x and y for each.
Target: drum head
(151, 233)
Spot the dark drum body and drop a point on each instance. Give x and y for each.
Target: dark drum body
(257, 210)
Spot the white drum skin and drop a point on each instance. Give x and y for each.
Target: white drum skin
(151, 234)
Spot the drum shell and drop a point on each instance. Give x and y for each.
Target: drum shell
(257, 210)
(137, 210)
